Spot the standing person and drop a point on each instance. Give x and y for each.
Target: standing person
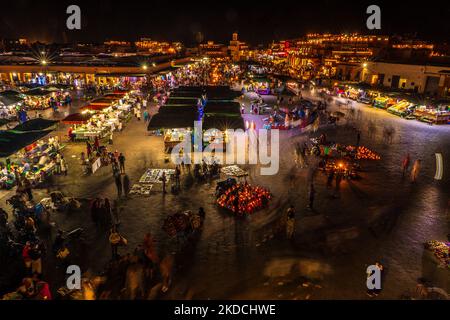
(163, 180)
(107, 214)
(63, 166)
(27, 188)
(144, 103)
(177, 177)
(114, 240)
(58, 163)
(358, 137)
(88, 149)
(26, 256)
(312, 194)
(415, 170)
(95, 213)
(36, 261)
(338, 183)
(405, 164)
(126, 185)
(290, 222)
(118, 182)
(330, 178)
(96, 143)
(111, 137)
(146, 116)
(122, 163)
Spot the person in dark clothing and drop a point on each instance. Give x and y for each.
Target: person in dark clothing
(122, 163)
(126, 185)
(118, 182)
(358, 138)
(330, 179)
(312, 194)
(27, 188)
(95, 213)
(59, 241)
(201, 213)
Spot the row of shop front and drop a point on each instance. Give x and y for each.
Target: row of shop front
(408, 107)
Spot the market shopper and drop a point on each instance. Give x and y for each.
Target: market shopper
(415, 170)
(126, 185)
(290, 222)
(163, 180)
(63, 166)
(26, 184)
(118, 182)
(122, 163)
(312, 195)
(146, 116)
(405, 164)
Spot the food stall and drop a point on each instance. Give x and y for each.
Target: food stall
(384, 102)
(403, 108)
(26, 153)
(430, 114)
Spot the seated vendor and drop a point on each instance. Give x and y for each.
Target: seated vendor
(26, 167)
(43, 160)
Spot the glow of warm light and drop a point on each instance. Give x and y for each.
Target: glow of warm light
(154, 64)
(144, 67)
(44, 62)
(365, 65)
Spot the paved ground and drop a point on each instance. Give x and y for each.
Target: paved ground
(378, 218)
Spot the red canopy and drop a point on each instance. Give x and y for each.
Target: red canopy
(95, 107)
(77, 118)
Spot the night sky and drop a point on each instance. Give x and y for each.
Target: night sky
(256, 21)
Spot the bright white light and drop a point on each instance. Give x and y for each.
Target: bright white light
(439, 167)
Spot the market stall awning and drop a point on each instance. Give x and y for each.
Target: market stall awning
(188, 101)
(172, 121)
(38, 92)
(12, 141)
(95, 107)
(9, 100)
(114, 96)
(77, 118)
(223, 122)
(224, 108)
(37, 124)
(212, 92)
(101, 101)
(119, 75)
(178, 109)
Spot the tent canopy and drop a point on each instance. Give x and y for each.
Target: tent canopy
(178, 109)
(95, 107)
(38, 92)
(172, 121)
(77, 118)
(35, 125)
(9, 100)
(222, 123)
(12, 141)
(101, 101)
(229, 108)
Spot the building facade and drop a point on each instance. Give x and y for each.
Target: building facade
(433, 80)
